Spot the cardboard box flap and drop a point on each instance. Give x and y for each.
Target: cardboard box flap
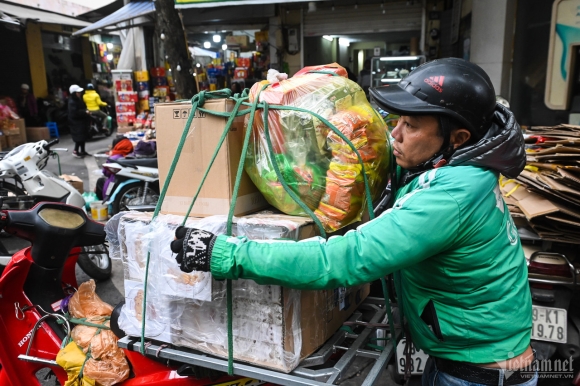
(556, 150)
(535, 205)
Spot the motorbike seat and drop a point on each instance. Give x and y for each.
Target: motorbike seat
(131, 163)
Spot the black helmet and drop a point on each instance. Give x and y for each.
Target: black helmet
(452, 87)
(90, 86)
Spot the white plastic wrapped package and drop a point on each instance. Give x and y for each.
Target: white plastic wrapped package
(273, 327)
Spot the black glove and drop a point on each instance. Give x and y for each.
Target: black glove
(193, 247)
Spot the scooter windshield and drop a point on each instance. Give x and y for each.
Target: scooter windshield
(15, 151)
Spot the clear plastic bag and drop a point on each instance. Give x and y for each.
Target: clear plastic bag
(106, 364)
(315, 162)
(189, 309)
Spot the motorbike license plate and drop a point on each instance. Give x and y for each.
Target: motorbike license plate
(109, 189)
(418, 358)
(549, 324)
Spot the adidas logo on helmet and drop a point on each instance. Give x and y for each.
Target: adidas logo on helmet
(436, 82)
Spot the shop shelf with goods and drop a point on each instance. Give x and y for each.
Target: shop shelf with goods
(162, 83)
(126, 99)
(12, 127)
(104, 58)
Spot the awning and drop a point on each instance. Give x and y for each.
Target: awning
(128, 12)
(227, 3)
(24, 13)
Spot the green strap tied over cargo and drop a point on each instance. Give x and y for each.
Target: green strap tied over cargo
(197, 103)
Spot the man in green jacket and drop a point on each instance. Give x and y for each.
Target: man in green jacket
(449, 238)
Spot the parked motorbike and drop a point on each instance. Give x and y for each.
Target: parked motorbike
(97, 127)
(133, 184)
(553, 279)
(37, 278)
(554, 283)
(23, 183)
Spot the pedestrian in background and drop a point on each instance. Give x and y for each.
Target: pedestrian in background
(78, 120)
(27, 107)
(93, 101)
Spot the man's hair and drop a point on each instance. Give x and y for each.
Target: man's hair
(448, 124)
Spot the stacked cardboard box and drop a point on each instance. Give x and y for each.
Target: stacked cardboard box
(35, 134)
(125, 97)
(13, 133)
(546, 195)
(273, 327)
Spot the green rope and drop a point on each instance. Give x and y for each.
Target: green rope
(389, 311)
(229, 295)
(323, 72)
(87, 357)
(55, 155)
(197, 102)
(198, 99)
(84, 322)
(213, 157)
(287, 188)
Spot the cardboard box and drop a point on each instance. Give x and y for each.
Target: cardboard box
(141, 76)
(35, 134)
(22, 129)
(204, 134)
(13, 140)
(11, 129)
(75, 181)
(237, 40)
(274, 327)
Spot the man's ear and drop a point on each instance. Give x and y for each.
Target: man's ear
(458, 137)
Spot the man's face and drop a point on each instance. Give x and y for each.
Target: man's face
(416, 140)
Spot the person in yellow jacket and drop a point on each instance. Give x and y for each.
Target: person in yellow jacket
(94, 103)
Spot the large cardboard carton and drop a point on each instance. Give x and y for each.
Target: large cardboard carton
(13, 140)
(274, 327)
(203, 137)
(35, 134)
(75, 181)
(21, 129)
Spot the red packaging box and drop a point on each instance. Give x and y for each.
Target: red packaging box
(125, 119)
(127, 96)
(123, 85)
(125, 107)
(157, 71)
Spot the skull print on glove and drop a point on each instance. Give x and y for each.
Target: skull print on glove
(193, 247)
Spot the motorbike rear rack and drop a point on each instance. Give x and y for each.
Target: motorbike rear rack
(313, 370)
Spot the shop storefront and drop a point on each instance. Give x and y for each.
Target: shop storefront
(351, 33)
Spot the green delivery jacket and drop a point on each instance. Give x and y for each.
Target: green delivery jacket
(451, 237)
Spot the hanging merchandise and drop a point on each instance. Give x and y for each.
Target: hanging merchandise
(318, 164)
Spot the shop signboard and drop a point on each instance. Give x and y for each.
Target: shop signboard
(564, 37)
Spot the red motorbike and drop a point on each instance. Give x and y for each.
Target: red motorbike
(37, 278)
